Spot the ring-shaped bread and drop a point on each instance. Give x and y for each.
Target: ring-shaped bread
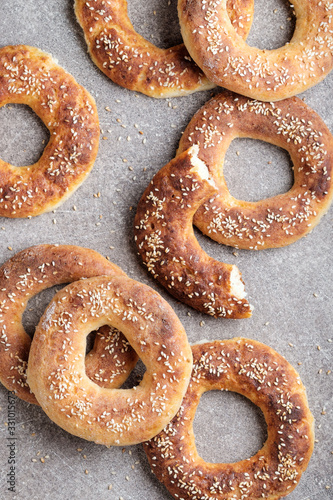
(56, 372)
(28, 273)
(268, 75)
(30, 76)
(259, 373)
(163, 229)
(131, 61)
(290, 124)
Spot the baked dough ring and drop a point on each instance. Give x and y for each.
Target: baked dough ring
(30, 76)
(56, 371)
(26, 274)
(164, 236)
(136, 64)
(259, 373)
(289, 124)
(268, 75)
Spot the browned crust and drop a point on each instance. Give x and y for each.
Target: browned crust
(56, 363)
(30, 76)
(136, 64)
(164, 236)
(289, 124)
(268, 75)
(26, 274)
(269, 381)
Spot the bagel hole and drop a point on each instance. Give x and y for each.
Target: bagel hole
(273, 24)
(90, 341)
(36, 307)
(255, 170)
(23, 135)
(156, 21)
(228, 427)
(135, 377)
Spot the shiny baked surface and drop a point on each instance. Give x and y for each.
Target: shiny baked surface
(281, 283)
(32, 77)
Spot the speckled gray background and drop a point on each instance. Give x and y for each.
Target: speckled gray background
(291, 288)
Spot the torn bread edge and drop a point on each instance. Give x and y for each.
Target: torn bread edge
(237, 287)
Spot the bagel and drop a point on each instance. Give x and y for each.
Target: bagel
(30, 76)
(164, 235)
(267, 75)
(259, 373)
(136, 64)
(25, 275)
(279, 220)
(56, 372)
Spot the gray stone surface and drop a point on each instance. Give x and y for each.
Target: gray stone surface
(291, 288)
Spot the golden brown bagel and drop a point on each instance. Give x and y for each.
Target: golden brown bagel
(268, 75)
(133, 62)
(56, 372)
(26, 274)
(165, 238)
(259, 373)
(30, 76)
(289, 124)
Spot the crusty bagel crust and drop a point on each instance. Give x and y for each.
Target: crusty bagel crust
(56, 372)
(268, 75)
(136, 64)
(165, 238)
(289, 124)
(30, 76)
(259, 373)
(26, 274)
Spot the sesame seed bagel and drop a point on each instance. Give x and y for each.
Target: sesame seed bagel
(279, 220)
(30, 76)
(28, 273)
(259, 373)
(167, 244)
(131, 61)
(56, 372)
(268, 75)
